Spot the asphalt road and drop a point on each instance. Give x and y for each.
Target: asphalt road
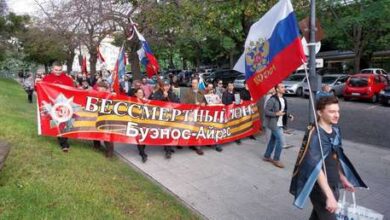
(359, 121)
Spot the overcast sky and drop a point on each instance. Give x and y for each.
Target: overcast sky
(22, 6)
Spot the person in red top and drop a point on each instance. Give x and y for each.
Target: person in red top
(57, 76)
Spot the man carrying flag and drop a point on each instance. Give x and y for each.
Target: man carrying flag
(84, 65)
(201, 84)
(119, 71)
(145, 54)
(101, 59)
(273, 49)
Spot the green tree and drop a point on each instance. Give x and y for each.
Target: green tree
(43, 46)
(360, 26)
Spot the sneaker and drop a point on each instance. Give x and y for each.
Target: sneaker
(277, 163)
(168, 155)
(218, 148)
(288, 146)
(144, 158)
(199, 151)
(267, 159)
(65, 149)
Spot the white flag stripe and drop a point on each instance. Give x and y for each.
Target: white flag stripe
(141, 54)
(139, 35)
(277, 13)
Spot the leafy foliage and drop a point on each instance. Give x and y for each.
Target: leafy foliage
(360, 26)
(43, 46)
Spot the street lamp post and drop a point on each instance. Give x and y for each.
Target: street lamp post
(314, 78)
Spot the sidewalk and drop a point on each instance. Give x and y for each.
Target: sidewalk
(237, 184)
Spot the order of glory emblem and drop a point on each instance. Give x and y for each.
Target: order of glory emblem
(62, 109)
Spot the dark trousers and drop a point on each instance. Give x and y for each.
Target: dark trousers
(168, 149)
(109, 148)
(108, 145)
(63, 142)
(30, 95)
(318, 199)
(141, 150)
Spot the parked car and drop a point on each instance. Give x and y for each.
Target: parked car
(364, 86)
(384, 96)
(239, 82)
(374, 71)
(294, 84)
(226, 75)
(184, 77)
(335, 81)
(208, 77)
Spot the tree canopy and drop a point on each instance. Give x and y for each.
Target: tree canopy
(186, 33)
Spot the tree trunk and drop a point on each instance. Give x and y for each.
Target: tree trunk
(135, 68)
(184, 63)
(92, 62)
(231, 59)
(171, 64)
(69, 61)
(358, 47)
(47, 68)
(356, 66)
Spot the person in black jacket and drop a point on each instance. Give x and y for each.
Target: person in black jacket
(140, 95)
(165, 94)
(228, 97)
(246, 96)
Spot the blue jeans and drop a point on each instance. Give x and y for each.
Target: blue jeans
(276, 141)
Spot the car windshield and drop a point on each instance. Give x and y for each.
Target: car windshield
(295, 78)
(241, 77)
(358, 81)
(328, 79)
(367, 71)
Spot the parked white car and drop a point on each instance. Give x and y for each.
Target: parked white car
(239, 82)
(335, 81)
(294, 84)
(374, 71)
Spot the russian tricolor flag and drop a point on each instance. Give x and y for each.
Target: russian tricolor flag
(119, 71)
(273, 49)
(146, 56)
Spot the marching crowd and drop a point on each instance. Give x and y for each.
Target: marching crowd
(164, 90)
(324, 191)
(275, 114)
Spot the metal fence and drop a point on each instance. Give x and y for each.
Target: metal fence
(8, 74)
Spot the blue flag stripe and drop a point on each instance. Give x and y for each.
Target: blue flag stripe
(285, 32)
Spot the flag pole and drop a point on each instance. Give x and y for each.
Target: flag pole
(313, 110)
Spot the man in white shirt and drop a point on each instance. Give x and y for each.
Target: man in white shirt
(274, 110)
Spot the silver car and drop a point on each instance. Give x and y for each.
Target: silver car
(335, 81)
(294, 84)
(239, 82)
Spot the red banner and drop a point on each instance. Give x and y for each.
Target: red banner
(91, 115)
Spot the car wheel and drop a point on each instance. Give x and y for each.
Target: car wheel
(374, 98)
(299, 92)
(346, 98)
